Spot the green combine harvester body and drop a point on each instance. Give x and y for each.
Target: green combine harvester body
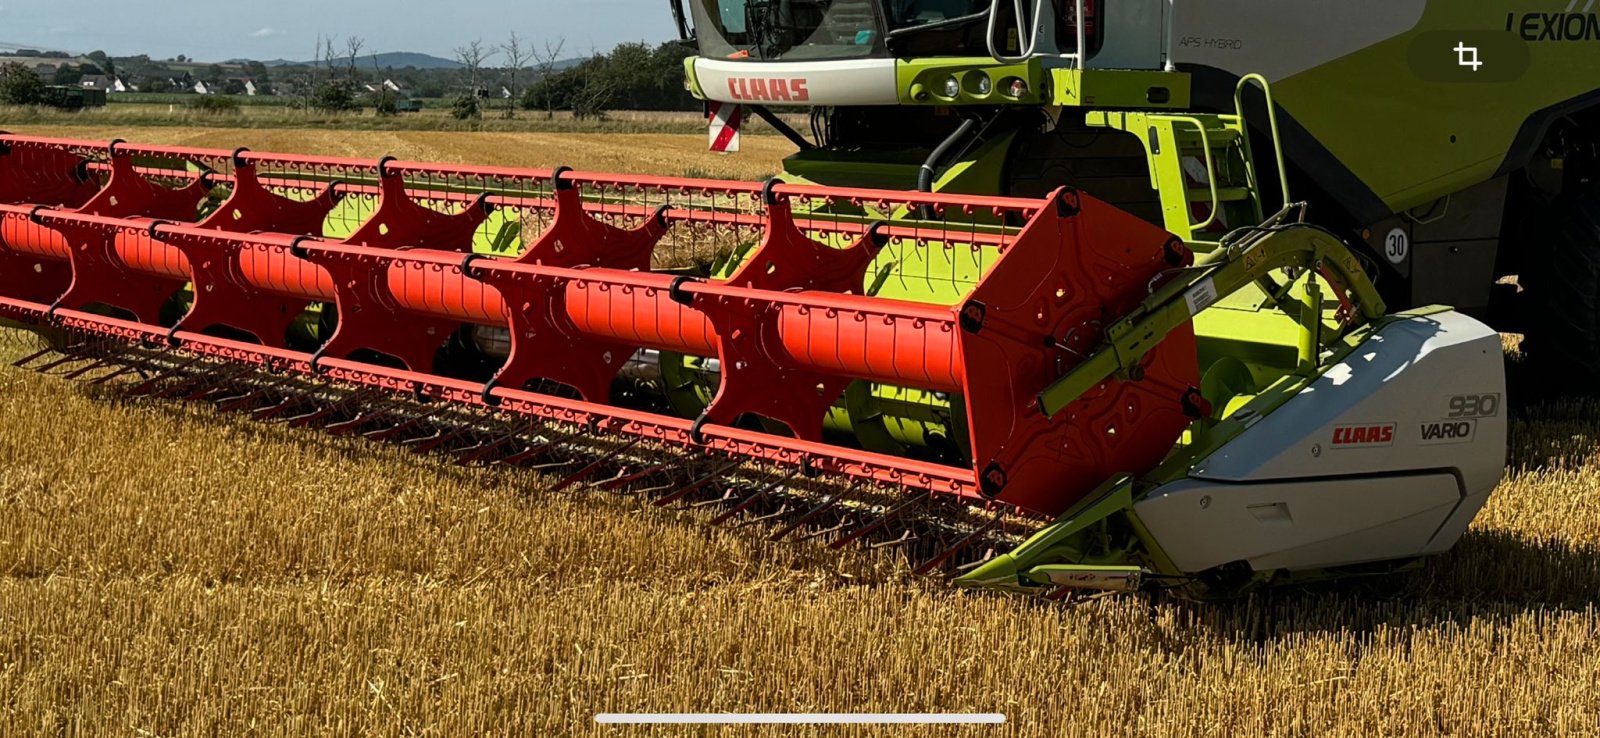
(1396, 142)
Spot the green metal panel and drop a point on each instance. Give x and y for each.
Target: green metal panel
(1119, 88)
(1416, 129)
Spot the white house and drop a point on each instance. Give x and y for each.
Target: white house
(200, 88)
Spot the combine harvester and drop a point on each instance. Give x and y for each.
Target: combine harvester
(1016, 309)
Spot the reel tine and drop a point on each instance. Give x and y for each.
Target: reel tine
(384, 434)
(939, 559)
(191, 386)
(362, 416)
(760, 494)
(843, 524)
(526, 454)
(149, 385)
(906, 537)
(176, 383)
(273, 384)
(99, 363)
(236, 403)
(318, 414)
(626, 478)
(439, 439)
(782, 510)
(970, 565)
(214, 382)
(472, 455)
(273, 412)
(231, 403)
(595, 465)
(697, 484)
(23, 362)
(523, 455)
(828, 503)
(727, 496)
(553, 465)
(423, 443)
(65, 359)
(879, 522)
(106, 354)
(120, 371)
(674, 473)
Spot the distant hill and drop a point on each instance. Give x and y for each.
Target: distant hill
(13, 47)
(395, 59)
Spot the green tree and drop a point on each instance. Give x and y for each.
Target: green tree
(466, 107)
(385, 104)
(646, 77)
(334, 96)
(103, 61)
(20, 85)
(157, 84)
(68, 75)
(430, 88)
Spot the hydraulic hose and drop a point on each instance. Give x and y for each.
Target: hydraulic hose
(931, 165)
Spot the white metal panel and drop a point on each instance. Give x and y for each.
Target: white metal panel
(1298, 524)
(1281, 38)
(1388, 455)
(1135, 34)
(1401, 384)
(845, 82)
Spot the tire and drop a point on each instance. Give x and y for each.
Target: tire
(1562, 280)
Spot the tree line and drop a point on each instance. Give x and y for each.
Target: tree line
(503, 78)
(633, 76)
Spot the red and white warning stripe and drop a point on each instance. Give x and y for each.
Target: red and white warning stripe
(725, 121)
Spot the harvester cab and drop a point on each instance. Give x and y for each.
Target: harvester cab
(1015, 306)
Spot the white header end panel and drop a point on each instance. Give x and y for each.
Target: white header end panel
(1424, 393)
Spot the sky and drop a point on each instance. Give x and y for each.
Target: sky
(287, 29)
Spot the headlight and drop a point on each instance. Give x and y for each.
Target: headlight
(984, 85)
(1016, 88)
(952, 87)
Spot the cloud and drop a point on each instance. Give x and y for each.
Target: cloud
(267, 33)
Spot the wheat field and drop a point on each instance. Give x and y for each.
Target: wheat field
(166, 570)
(653, 153)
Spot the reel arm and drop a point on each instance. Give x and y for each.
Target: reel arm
(1297, 248)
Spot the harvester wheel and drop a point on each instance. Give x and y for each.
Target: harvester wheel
(1563, 285)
